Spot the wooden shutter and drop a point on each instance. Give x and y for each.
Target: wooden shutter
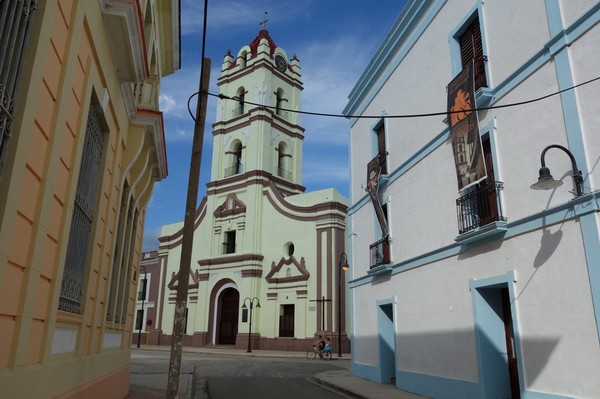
(471, 48)
(381, 152)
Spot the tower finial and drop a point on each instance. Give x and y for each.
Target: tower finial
(264, 21)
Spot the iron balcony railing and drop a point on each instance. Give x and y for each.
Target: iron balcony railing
(380, 252)
(479, 207)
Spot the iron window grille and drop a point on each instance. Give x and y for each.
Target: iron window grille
(83, 216)
(380, 252)
(15, 20)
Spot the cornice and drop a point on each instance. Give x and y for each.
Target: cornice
(124, 26)
(154, 121)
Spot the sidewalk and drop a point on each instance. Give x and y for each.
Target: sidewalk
(151, 386)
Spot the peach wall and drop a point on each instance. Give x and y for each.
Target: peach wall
(68, 60)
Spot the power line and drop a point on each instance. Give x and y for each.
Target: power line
(405, 116)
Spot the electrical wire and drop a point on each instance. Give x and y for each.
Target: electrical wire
(404, 116)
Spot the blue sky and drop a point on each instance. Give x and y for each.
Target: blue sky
(334, 41)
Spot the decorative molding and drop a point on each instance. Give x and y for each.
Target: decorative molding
(275, 268)
(196, 278)
(224, 260)
(124, 25)
(232, 206)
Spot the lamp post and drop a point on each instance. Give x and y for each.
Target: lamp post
(547, 182)
(342, 265)
(250, 319)
(143, 298)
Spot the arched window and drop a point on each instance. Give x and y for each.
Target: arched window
(279, 101)
(284, 161)
(240, 95)
(243, 59)
(235, 159)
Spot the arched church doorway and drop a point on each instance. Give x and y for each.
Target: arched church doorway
(227, 316)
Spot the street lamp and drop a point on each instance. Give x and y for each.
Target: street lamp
(547, 182)
(250, 324)
(143, 297)
(342, 265)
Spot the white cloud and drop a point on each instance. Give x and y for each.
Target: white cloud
(167, 103)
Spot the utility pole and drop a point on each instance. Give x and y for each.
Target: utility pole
(188, 234)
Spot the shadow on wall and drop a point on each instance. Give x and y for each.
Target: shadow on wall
(548, 244)
(452, 363)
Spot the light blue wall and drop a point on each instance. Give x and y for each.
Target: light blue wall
(584, 208)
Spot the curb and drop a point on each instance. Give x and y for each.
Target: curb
(333, 388)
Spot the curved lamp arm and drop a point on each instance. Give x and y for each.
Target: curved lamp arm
(547, 182)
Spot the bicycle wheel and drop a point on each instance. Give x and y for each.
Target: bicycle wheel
(310, 354)
(327, 355)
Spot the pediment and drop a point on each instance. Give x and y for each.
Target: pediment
(278, 275)
(192, 281)
(230, 207)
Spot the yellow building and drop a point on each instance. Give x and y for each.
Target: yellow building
(81, 145)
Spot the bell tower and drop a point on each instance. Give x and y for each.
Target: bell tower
(255, 134)
(258, 235)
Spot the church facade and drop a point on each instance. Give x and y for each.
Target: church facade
(265, 270)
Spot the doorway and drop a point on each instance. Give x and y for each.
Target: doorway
(497, 346)
(387, 342)
(227, 317)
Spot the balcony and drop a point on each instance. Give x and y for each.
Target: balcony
(380, 253)
(479, 207)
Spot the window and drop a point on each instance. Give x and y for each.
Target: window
(290, 249)
(143, 287)
(279, 101)
(16, 20)
(229, 243)
(84, 207)
(471, 48)
(123, 258)
(240, 96)
(481, 205)
(139, 319)
(243, 59)
(381, 151)
(283, 162)
(235, 163)
(286, 321)
(488, 207)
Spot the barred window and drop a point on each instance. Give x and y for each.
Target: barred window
(123, 259)
(15, 21)
(80, 236)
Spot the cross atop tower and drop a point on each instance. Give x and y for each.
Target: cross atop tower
(264, 21)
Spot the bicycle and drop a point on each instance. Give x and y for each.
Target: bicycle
(324, 353)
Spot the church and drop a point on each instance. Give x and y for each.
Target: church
(267, 255)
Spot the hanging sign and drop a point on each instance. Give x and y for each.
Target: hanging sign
(373, 173)
(464, 129)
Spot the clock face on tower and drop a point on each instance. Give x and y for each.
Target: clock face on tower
(280, 62)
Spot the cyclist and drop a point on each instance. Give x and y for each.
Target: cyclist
(327, 347)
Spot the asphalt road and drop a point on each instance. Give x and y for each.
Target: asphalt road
(229, 377)
(262, 377)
